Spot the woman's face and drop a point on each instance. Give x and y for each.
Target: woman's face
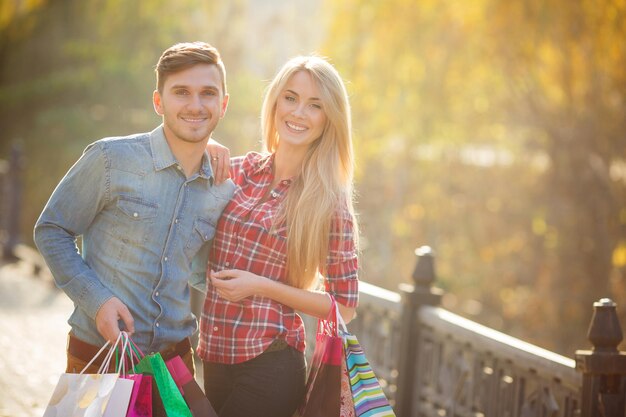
(300, 117)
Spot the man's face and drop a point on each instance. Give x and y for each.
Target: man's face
(192, 103)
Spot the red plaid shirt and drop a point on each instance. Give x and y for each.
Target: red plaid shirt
(234, 332)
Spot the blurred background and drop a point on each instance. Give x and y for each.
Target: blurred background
(492, 130)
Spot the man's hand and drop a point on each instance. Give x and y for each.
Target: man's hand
(107, 319)
(220, 160)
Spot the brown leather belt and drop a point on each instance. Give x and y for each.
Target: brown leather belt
(86, 351)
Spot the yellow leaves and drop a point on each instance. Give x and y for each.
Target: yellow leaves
(11, 10)
(619, 255)
(414, 212)
(7, 12)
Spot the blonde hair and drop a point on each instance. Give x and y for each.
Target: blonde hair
(324, 187)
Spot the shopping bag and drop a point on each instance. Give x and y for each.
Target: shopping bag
(78, 395)
(367, 395)
(140, 404)
(123, 388)
(346, 404)
(197, 402)
(170, 396)
(91, 395)
(323, 387)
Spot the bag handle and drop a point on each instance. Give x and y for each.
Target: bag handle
(334, 311)
(107, 358)
(95, 356)
(122, 340)
(121, 364)
(328, 326)
(130, 352)
(340, 320)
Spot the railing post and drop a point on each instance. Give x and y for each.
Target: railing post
(13, 201)
(603, 367)
(414, 296)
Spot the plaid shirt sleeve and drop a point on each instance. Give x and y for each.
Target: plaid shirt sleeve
(342, 261)
(236, 163)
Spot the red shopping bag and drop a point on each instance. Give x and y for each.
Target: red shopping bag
(323, 387)
(140, 404)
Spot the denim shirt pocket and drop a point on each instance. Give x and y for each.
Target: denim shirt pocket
(136, 217)
(203, 231)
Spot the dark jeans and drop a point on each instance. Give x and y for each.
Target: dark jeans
(272, 385)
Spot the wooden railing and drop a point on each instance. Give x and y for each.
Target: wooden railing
(434, 363)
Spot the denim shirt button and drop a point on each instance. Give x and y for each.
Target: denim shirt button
(157, 324)
(135, 214)
(156, 294)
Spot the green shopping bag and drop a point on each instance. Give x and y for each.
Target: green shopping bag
(173, 401)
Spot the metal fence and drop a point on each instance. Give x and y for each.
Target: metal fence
(434, 363)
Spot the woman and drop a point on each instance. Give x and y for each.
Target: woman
(289, 226)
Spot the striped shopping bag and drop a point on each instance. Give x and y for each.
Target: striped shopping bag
(367, 394)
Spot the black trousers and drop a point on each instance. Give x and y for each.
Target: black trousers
(272, 385)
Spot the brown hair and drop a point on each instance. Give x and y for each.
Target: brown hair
(182, 56)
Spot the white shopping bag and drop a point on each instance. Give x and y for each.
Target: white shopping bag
(92, 395)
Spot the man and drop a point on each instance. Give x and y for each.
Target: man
(146, 207)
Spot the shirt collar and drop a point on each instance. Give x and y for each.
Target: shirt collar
(206, 170)
(264, 164)
(163, 157)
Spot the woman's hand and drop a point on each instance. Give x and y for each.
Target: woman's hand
(235, 285)
(220, 160)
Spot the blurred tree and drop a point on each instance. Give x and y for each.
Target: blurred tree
(490, 129)
(565, 63)
(72, 72)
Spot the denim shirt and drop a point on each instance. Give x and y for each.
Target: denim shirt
(145, 229)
